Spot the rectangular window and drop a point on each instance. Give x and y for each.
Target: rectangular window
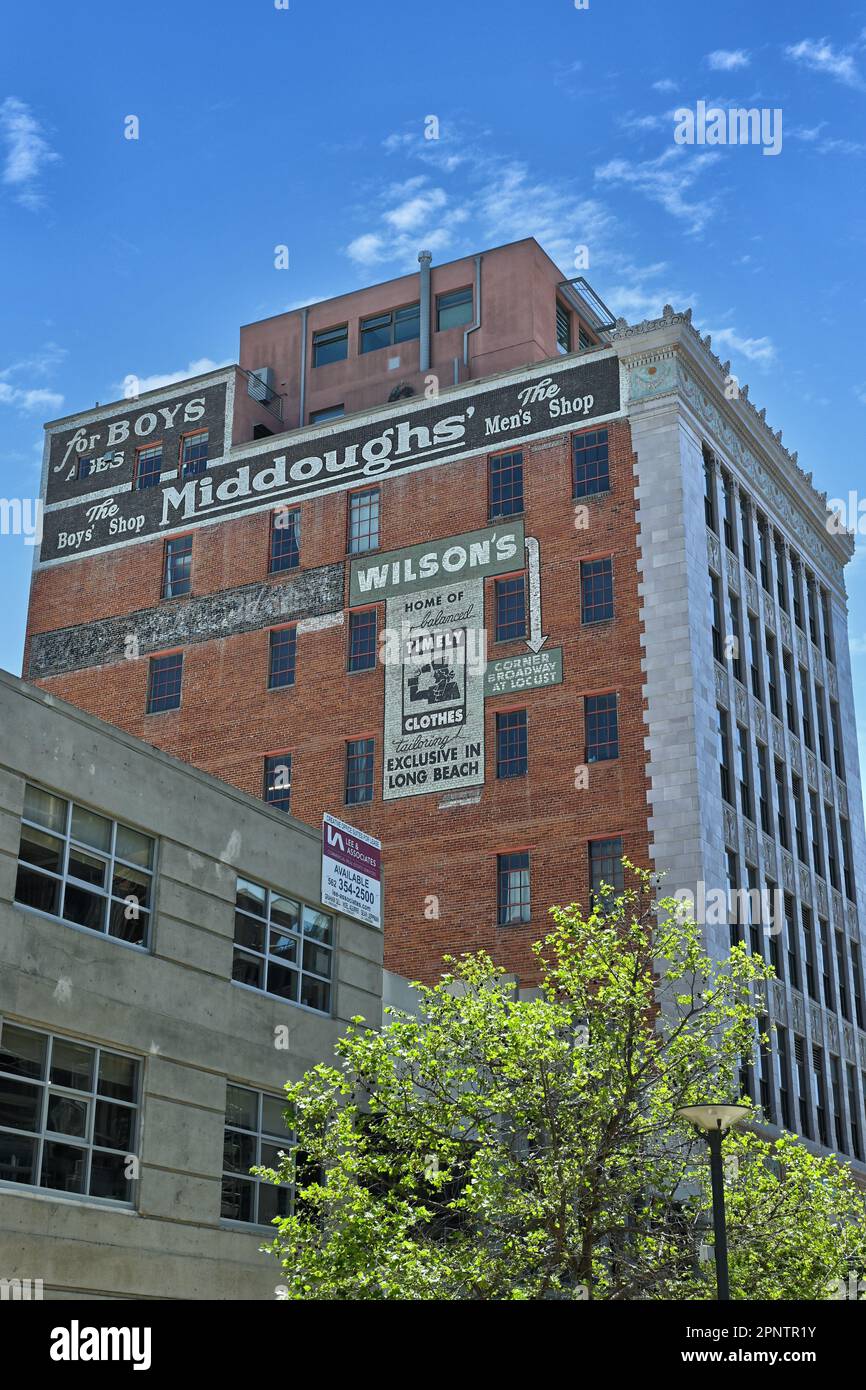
(283, 647)
(832, 859)
(791, 942)
(790, 698)
(728, 511)
(842, 974)
(782, 805)
(563, 328)
(255, 1133)
(744, 773)
(68, 1115)
(847, 868)
(278, 781)
(822, 725)
(764, 553)
(826, 967)
(835, 726)
(512, 888)
(806, 705)
(733, 876)
(364, 521)
(84, 868)
(331, 345)
(710, 492)
(764, 790)
(811, 955)
(590, 463)
(453, 309)
(736, 635)
(512, 756)
(359, 770)
(596, 591)
(384, 330)
(285, 549)
(858, 984)
(836, 1088)
(797, 592)
(820, 1095)
(193, 454)
(164, 682)
(772, 675)
(784, 1078)
(817, 850)
(510, 608)
(746, 535)
(755, 659)
(725, 756)
(716, 618)
(799, 826)
(177, 567)
(828, 630)
(781, 586)
(329, 412)
(802, 1086)
(854, 1113)
(505, 485)
(283, 946)
(362, 639)
(812, 605)
(148, 466)
(606, 876)
(601, 724)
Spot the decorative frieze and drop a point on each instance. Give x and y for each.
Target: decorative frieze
(805, 884)
(714, 551)
(785, 629)
(787, 871)
(831, 680)
(778, 737)
(750, 840)
(730, 828)
(811, 769)
(821, 890)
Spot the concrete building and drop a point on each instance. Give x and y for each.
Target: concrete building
(609, 609)
(143, 1046)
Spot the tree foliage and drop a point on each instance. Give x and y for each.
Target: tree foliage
(491, 1147)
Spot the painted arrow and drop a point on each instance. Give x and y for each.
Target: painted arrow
(535, 641)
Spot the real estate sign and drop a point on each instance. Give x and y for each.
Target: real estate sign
(351, 871)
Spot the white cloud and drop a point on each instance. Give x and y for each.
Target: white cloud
(414, 212)
(199, 367)
(27, 151)
(759, 350)
(820, 56)
(665, 180)
(664, 85)
(727, 59)
(29, 398)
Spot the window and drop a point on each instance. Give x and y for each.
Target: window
(278, 781)
(364, 521)
(584, 338)
(837, 740)
(285, 540)
(255, 1133)
(792, 943)
(842, 973)
(847, 870)
(812, 605)
(68, 1114)
(283, 946)
(362, 639)
(802, 1085)
(764, 790)
(772, 675)
(836, 1088)
(512, 757)
(596, 590)
(832, 860)
(590, 463)
(453, 309)
(853, 1113)
(330, 412)
(736, 634)
(505, 485)
(512, 893)
(784, 1077)
(822, 725)
(601, 724)
(817, 852)
(283, 646)
(84, 868)
(716, 618)
(790, 698)
(799, 828)
(733, 876)
(728, 521)
(782, 805)
(397, 326)
(165, 678)
(510, 608)
(331, 345)
(193, 455)
(148, 466)
(811, 956)
(755, 658)
(710, 492)
(725, 756)
(85, 467)
(764, 553)
(605, 867)
(826, 967)
(755, 925)
(177, 567)
(563, 328)
(359, 770)
(828, 631)
(806, 704)
(746, 535)
(858, 984)
(797, 592)
(744, 773)
(820, 1094)
(781, 587)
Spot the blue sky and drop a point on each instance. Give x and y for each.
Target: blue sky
(304, 126)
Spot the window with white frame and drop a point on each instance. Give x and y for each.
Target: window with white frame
(84, 868)
(68, 1115)
(283, 946)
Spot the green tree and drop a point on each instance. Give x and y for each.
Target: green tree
(496, 1148)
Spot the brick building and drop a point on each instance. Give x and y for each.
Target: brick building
(478, 449)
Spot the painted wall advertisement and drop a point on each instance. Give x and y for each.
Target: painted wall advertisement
(351, 871)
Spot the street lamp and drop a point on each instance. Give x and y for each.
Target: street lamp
(712, 1121)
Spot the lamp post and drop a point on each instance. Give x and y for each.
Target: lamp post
(712, 1121)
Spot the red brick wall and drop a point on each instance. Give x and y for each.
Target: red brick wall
(229, 720)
